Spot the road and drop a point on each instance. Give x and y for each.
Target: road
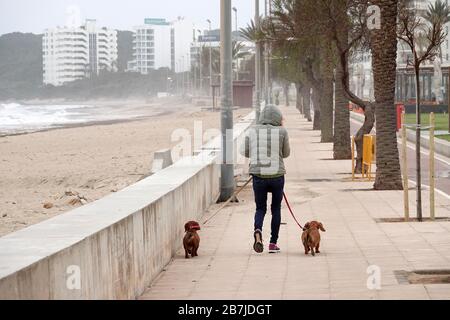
(442, 165)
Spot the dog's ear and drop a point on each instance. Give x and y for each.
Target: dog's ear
(321, 227)
(187, 226)
(306, 226)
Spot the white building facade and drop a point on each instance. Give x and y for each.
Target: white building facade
(73, 53)
(183, 37)
(151, 46)
(162, 44)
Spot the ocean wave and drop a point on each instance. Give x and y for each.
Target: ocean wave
(14, 116)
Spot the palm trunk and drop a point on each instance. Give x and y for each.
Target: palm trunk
(298, 87)
(326, 111)
(316, 106)
(286, 93)
(384, 55)
(366, 128)
(341, 142)
(326, 96)
(306, 94)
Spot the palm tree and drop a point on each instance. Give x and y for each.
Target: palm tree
(441, 11)
(341, 143)
(384, 55)
(294, 27)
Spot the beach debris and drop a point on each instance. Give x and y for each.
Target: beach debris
(48, 205)
(78, 200)
(71, 193)
(74, 202)
(4, 215)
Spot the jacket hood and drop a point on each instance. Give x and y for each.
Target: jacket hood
(271, 115)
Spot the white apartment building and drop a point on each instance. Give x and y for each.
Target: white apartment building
(183, 36)
(72, 53)
(151, 46)
(162, 44)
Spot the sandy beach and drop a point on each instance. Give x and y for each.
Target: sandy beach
(69, 167)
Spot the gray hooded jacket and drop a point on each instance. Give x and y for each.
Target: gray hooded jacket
(267, 144)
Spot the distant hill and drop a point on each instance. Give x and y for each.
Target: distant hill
(21, 73)
(20, 62)
(112, 85)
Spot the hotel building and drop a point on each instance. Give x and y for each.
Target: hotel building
(75, 53)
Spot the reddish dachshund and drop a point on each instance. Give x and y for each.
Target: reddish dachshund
(191, 240)
(311, 236)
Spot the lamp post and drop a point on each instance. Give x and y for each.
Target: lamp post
(266, 64)
(210, 59)
(257, 64)
(236, 29)
(182, 75)
(227, 183)
(200, 62)
(235, 19)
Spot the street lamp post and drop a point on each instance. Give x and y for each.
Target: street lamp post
(227, 183)
(182, 76)
(257, 64)
(210, 59)
(200, 61)
(236, 29)
(189, 74)
(266, 64)
(235, 19)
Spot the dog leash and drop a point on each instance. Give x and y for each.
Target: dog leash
(290, 210)
(237, 192)
(228, 201)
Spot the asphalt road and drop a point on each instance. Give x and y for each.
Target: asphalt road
(442, 165)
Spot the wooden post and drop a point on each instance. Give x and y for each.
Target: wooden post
(353, 158)
(432, 184)
(405, 169)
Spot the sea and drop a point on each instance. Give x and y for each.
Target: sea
(17, 118)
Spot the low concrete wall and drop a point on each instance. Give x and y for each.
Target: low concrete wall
(442, 147)
(117, 244)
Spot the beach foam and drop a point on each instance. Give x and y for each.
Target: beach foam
(16, 117)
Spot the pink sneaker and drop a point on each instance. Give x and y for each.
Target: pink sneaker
(273, 248)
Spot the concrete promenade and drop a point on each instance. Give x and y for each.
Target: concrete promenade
(318, 188)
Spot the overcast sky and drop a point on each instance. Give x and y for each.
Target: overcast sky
(37, 15)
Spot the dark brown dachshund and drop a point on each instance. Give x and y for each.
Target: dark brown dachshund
(191, 240)
(311, 236)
